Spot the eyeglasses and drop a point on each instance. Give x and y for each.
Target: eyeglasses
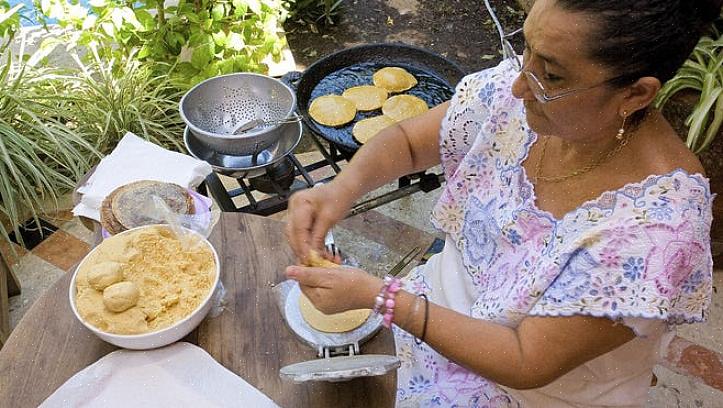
(541, 93)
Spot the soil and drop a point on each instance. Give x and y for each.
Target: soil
(460, 30)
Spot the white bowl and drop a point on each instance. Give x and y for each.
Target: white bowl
(158, 338)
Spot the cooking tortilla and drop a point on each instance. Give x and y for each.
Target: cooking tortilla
(402, 107)
(394, 79)
(333, 323)
(332, 110)
(129, 203)
(366, 129)
(366, 97)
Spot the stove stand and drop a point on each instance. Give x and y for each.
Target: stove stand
(289, 176)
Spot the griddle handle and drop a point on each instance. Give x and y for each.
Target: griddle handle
(292, 79)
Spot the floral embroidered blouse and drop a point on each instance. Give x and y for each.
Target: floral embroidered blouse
(639, 255)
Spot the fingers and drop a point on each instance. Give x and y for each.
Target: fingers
(311, 277)
(299, 225)
(318, 231)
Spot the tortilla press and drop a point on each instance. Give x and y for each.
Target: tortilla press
(340, 357)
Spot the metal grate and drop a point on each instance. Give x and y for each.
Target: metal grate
(280, 191)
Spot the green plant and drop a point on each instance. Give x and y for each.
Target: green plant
(9, 23)
(702, 72)
(40, 155)
(201, 38)
(315, 11)
(105, 100)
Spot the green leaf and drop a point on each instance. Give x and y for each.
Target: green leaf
(202, 55)
(240, 7)
(89, 22)
(146, 19)
(46, 47)
(220, 38)
(218, 12)
(254, 6)
(116, 17)
(108, 28)
(144, 52)
(236, 41)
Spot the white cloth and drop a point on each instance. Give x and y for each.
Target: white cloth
(136, 159)
(180, 375)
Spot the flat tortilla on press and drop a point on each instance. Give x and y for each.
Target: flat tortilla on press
(402, 107)
(366, 129)
(332, 110)
(333, 323)
(366, 97)
(394, 79)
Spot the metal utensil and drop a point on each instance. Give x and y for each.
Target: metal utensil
(408, 258)
(258, 122)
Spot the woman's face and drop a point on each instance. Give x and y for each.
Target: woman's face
(556, 53)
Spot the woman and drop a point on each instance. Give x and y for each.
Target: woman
(577, 222)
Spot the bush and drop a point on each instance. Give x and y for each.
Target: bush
(315, 11)
(201, 39)
(9, 23)
(41, 156)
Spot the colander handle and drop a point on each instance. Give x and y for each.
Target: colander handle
(291, 79)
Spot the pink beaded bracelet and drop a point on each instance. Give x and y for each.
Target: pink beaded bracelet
(391, 293)
(379, 300)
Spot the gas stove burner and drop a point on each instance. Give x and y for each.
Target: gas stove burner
(278, 178)
(245, 166)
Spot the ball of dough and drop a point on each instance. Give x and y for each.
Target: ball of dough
(105, 274)
(121, 296)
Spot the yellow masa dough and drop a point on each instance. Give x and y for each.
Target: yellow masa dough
(171, 281)
(332, 110)
(366, 129)
(333, 323)
(366, 97)
(394, 79)
(402, 107)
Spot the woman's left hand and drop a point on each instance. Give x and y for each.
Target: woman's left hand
(335, 290)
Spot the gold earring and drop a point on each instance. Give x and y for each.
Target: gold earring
(621, 131)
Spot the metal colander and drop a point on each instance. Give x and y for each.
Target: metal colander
(217, 106)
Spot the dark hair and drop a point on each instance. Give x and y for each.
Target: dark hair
(639, 38)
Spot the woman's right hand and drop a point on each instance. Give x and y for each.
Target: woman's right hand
(312, 212)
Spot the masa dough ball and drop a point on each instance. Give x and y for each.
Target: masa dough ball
(121, 296)
(366, 97)
(394, 79)
(366, 129)
(402, 107)
(332, 110)
(105, 274)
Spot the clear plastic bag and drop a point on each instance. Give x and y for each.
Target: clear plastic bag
(202, 223)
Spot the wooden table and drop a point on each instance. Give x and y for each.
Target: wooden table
(249, 337)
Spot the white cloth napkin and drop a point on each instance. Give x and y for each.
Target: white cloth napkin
(179, 375)
(136, 159)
